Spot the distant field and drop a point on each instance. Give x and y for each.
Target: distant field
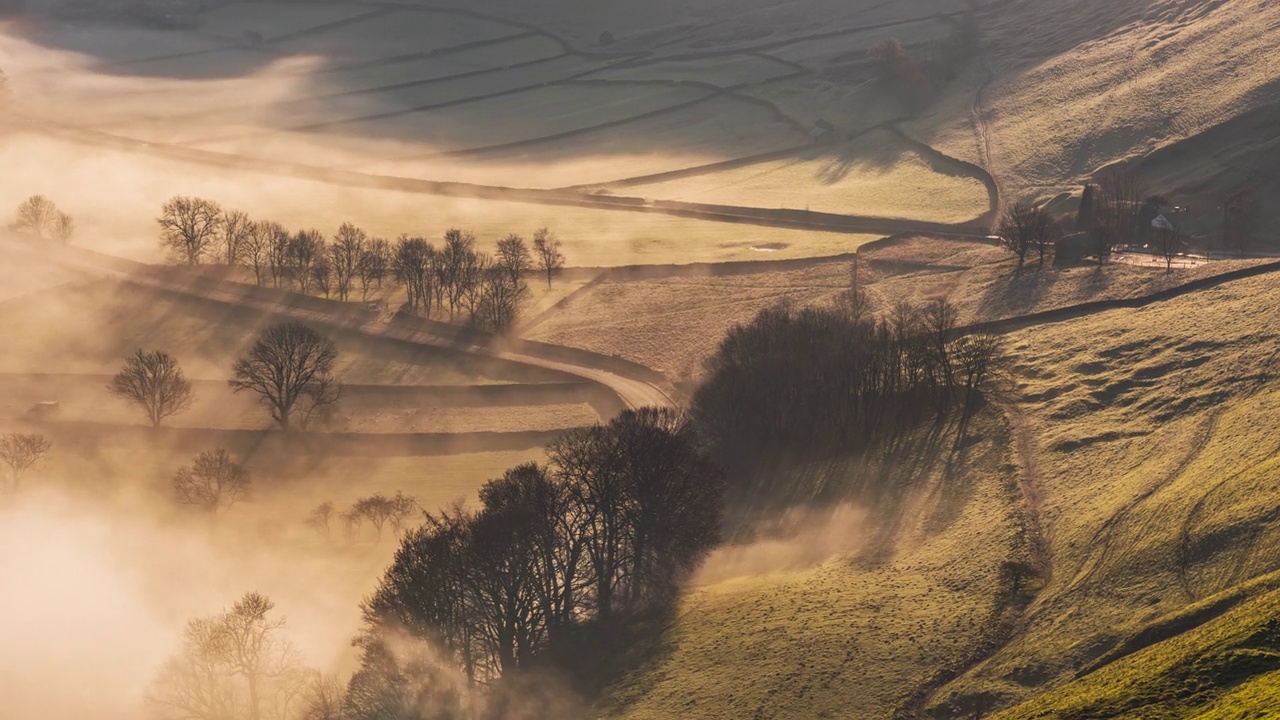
(122, 192)
(273, 20)
(829, 52)
(874, 176)
(719, 129)
(851, 108)
(723, 71)
(522, 116)
(401, 32)
(672, 325)
(40, 47)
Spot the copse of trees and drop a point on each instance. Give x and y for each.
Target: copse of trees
(601, 535)
(901, 75)
(802, 384)
(456, 278)
(37, 214)
(154, 381)
(1025, 229)
(290, 369)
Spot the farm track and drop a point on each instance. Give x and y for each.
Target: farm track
(1105, 534)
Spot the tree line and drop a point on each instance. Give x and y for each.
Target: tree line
(558, 557)
(454, 278)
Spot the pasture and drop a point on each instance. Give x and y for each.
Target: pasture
(876, 175)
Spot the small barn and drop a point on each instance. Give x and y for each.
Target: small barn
(1072, 249)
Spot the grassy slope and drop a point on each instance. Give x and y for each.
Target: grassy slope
(908, 588)
(1156, 457)
(1082, 85)
(874, 175)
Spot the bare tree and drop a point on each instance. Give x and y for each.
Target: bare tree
(414, 264)
(458, 265)
(320, 517)
(288, 361)
(154, 381)
(322, 274)
(1168, 241)
(189, 227)
(514, 258)
(21, 452)
(305, 250)
(213, 483)
(380, 510)
(279, 244)
(236, 231)
(978, 357)
(1117, 205)
(323, 699)
(64, 226)
(37, 214)
(229, 666)
(255, 251)
(346, 254)
(501, 299)
(546, 248)
(1024, 228)
(375, 263)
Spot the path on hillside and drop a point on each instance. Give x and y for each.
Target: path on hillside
(632, 388)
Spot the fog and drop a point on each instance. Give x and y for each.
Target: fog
(94, 593)
(800, 538)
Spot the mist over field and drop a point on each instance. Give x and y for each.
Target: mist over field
(537, 361)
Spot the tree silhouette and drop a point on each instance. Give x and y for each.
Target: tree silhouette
(213, 483)
(153, 381)
(290, 363)
(189, 227)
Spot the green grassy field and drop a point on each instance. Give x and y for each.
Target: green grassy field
(893, 590)
(719, 129)
(396, 33)
(875, 175)
(1156, 458)
(273, 20)
(722, 71)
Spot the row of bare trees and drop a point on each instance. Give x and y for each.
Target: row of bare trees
(457, 278)
(601, 535)
(822, 381)
(40, 216)
(461, 280)
(377, 510)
